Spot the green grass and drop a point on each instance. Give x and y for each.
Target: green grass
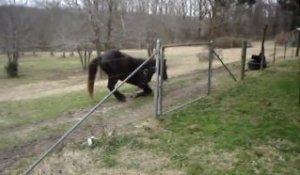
(258, 111)
(252, 128)
(108, 147)
(40, 68)
(23, 112)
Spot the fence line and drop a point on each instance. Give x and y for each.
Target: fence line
(86, 116)
(211, 53)
(159, 88)
(276, 54)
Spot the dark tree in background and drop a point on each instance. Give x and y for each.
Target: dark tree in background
(250, 2)
(10, 36)
(17, 33)
(292, 8)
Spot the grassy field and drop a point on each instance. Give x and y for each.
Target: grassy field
(252, 128)
(40, 68)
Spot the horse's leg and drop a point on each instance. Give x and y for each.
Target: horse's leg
(111, 86)
(146, 90)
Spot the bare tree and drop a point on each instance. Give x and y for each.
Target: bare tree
(16, 32)
(84, 51)
(111, 5)
(201, 11)
(62, 25)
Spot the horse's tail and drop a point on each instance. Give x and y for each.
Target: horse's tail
(93, 66)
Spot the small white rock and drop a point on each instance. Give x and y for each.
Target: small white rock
(90, 140)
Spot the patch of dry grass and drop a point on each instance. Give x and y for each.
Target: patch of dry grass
(129, 161)
(211, 159)
(147, 162)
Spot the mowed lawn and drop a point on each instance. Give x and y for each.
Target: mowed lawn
(251, 128)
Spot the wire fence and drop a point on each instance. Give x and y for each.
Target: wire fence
(188, 75)
(273, 53)
(191, 76)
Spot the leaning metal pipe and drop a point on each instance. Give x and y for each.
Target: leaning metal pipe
(86, 116)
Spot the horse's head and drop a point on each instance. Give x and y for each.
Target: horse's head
(149, 71)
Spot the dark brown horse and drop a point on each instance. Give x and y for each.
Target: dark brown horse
(118, 66)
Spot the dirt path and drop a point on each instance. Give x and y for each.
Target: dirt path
(44, 89)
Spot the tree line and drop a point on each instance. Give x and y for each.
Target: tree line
(69, 25)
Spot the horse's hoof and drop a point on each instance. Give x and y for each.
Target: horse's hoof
(122, 99)
(142, 94)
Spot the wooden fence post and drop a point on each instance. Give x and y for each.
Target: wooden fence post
(298, 43)
(274, 55)
(262, 52)
(210, 60)
(243, 59)
(284, 53)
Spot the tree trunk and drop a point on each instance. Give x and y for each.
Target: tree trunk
(63, 54)
(123, 27)
(72, 53)
(97, 41)
(298, 45)
(109, 23)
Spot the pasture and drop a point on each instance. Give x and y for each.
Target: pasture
(50, 95)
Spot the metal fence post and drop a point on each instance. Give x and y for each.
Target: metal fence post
(298, 43)
(161, 70)
(157, 89)
(210, 59)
